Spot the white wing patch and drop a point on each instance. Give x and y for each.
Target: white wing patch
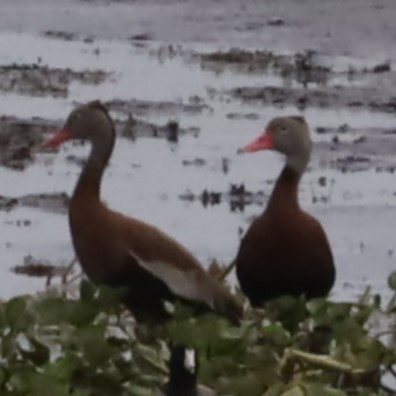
(181, 283)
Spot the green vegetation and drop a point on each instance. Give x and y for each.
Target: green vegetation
(53, 345)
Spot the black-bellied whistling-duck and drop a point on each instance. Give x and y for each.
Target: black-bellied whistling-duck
(124, 252)
(285, 251)
(183, 367)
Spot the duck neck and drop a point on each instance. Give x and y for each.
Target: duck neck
(89, 182)
(285, 193)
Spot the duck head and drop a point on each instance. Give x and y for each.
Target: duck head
(287, 135)
(90, 121)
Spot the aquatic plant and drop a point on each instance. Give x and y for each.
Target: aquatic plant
(56, 345)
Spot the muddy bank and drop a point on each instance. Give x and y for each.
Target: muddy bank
(133, 128)
(369, 98)
(21, 139)
(307, 79)
(304, 67)
(351, 149)
(41, 80)
(286, 65)
(54, 203)
(39, 268)
(195, 105)
(66, 36)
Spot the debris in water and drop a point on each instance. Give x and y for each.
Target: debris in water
(38, 80)
(50, 202)
(38, 268)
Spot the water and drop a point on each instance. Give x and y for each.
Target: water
(145, 179)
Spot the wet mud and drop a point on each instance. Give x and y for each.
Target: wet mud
(22, 139)
(357, 149)
(195, 105)
(303, 67)
(368, 98)
(66, 36)
(41, 80)
(37, 268)
(53, 203)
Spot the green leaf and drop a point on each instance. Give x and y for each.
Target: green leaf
(87, 291)
(3, 322)
(392, 303)
(109, 298)
(56, 310)
(41, 385)
(295, 391)
(323, 390)
(16, 314)
(2, 377)
(392, 281)
(317, 306)
(276, 333)
(63, 368)
(140, 391)
(39, 353)
(50, 311)
(51, 342)
(9, 347)
(80, 315)
(275, 389)
(92, 343)
(19, 381)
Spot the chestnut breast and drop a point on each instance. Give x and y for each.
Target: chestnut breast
(285, 251)
(96, 239)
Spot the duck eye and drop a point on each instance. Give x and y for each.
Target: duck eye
(75, 116)
(283, 128)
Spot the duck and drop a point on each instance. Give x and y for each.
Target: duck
(183, 369)
(285, 251)
(123, 252)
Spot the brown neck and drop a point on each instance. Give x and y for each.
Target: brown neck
(88, 184)
(285, 193)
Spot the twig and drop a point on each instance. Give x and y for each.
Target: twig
(68, 270)
(227, 270)
(321, 361)
(65, 273)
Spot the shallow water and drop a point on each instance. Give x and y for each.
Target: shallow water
(146, 178)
